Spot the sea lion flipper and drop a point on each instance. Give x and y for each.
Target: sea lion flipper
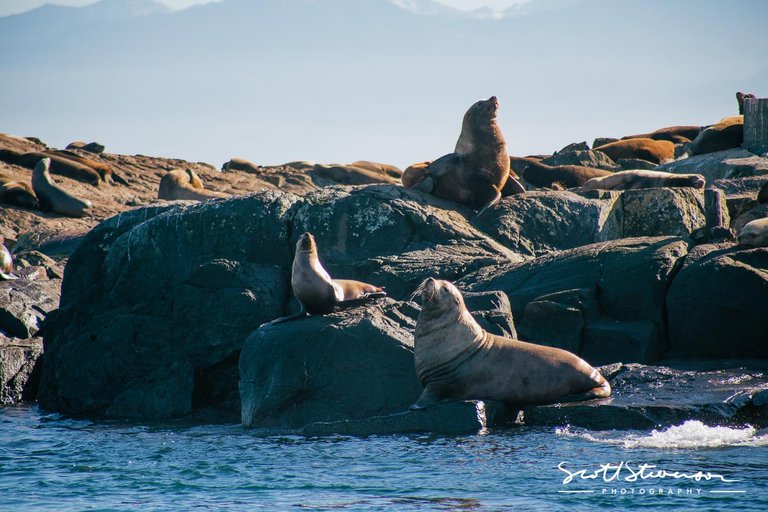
(296, 316)
(351, 303)
(490, 203)
(7, 277)
(428, 397)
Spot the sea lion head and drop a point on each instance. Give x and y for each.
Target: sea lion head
(440, 299)
(43, 165)
(754, 234)
(484, 109)
(306, 243)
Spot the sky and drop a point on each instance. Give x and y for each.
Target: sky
(8, 7)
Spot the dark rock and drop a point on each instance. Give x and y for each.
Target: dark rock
(350, 365)
(629, 164)
(576, 297)
(646, 397)
(662, 211)
(18, 361)
(758, 212)
(730, 164)
(716, 303)
(576, 146)
(24, 304)
(587, 158)
(600, 141)
(492, 311)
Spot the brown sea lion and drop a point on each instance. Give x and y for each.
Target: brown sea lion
(517, 164)
(105, 171)
(185, 184)
(17, 193)
(91, 147)
(728, 133)
(240, 164)
(674, 134)
(568, 176)
(377, 167)
(59, 165)
(457, 360)
(51, 197)
(754, 234)
(475, 173)
(656, 151)
(740, 97)
(6, 262)
(316, 291)
(352, 175)
(415, 174)
(630, 180)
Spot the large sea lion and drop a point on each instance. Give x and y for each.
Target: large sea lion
(6, 262)
(656, 151)
(316, 291)
(568, 176)
(475, 173)
(630, 180)
(674, 134)
(53, 198)
(91, 147)
(457, 360)
(59, 165)
(378, 167)
(240, 164)
(105, 171)
(352, 174)
(728, 133)
(185, 184)
(754, 234)
(17, 193)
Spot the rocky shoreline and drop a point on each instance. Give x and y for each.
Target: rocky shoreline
(157, 312)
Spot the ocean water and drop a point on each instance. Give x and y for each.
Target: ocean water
(49, 462)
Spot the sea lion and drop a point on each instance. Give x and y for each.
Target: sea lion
(185, 184)
(457, 360)
(414, 176)
(512, 187)
(91, 147)
(240, 164)
(674, 134)
(352, 175)
(105, 171)
(384, 169)
(728, 133)
(475, 173)
(630, 180)
(754, 234)
(316, 291)
(656, 151)
(6, 262)
(17, 193)
(53, 198)
(59, 165)
(568, 176)
(740, 97)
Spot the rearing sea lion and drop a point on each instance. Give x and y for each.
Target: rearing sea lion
(52, 197)
(457, 360)
(476, 172)
(314, 288)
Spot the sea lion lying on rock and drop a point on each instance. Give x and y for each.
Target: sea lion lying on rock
(17, 193)
(58, 165)
(754, 234)
(457, 360)
(185, 184)
(630, 180)
(6, 262)
(316, 291)
(728, 133)
(476, 172)
(656, 151)
(674, 134)
(568, 176)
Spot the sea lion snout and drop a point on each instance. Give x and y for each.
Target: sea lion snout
(306, 242)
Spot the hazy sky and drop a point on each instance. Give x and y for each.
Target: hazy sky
(8, 7)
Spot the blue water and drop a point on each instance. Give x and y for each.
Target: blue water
(49, 462)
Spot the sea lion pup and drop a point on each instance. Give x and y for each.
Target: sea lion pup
(568, 176)
(6, 262)
(656, 151)
(53, 198)
(477, 170)
(728, 133)
(754, 234)
(59, 165)
(17, 193)
(185, 184)
(457, 360)
(316, 291)
(674, 134)
(630, 180)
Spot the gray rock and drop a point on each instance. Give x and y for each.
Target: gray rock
(629, 164)
(586, 158)
(24, 304)
(576, 146)
(730, 164)
(662, 211)
(18, 362)
(591, 300)
(647, 397)
(716, 303)
(601, 141)
(758, 212)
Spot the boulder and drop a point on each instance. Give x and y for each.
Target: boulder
(587, 158)
(19, 369)
(24, 303)
(729, 164)
(662, 211)
(716, 304)
(605, 301)
(156, 300)
(629, 164)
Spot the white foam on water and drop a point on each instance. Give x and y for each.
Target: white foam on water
(692, 434)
